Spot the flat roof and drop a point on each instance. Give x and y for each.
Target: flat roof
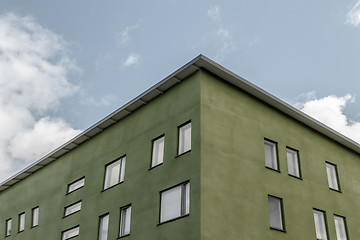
(200, 62)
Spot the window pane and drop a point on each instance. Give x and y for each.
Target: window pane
(72, 208)
(122, 173)
(115, 173)
(8, 227)
(158, 152)
(125, 220)
(270, 155)
(340, 228)
(103, 227)
(331, 174)
(76, 185)
(320, 226)
(187, 198)
(35, 217)
(21, 222)
(70, 233)
(185, 138)
(293, 162)
(275, 212)
(171, 204)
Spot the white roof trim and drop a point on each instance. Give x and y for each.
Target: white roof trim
(161, 87)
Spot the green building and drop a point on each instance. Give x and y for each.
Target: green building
(204, 154)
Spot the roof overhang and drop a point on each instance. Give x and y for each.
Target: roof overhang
(200, 62)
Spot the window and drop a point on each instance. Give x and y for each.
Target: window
(340, 226)
(104, 227)
(175, 202)
(157, 151)
(276, 213)
(125, 219)
(320, 225)
(270, 155)
(73, 208)
(8, 227)
(70, 233)
(35, 217)
(76, 185)
(115, 172)
(21, 222)
(331, 171)
(184, 138)
(293, 162)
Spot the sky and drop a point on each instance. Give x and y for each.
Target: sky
(64, 65)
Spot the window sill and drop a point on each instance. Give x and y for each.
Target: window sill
(276, 170)
(112, 186)
(182, 153)
(278, 229)
(335, 190)
(174, 219)
(124, 236)
(300, 178)
(155, 166)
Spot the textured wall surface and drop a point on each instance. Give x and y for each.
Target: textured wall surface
(235, 183)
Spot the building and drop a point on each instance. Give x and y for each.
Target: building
(204, 154)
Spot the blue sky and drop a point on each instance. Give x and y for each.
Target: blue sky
(64, 65)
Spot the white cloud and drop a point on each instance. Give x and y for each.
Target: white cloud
(223, 34)
(330, 111)
(132, 59)
(124, 37)
(353, 16)
(34, 68)
(213, 13)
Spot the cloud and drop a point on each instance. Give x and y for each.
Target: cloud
(132, 59)
(213, 13)
(353, 16)
(34, 69)
(223, 34)
(330, 111)
(124, 37)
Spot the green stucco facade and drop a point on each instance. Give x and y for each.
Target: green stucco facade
(226, 169)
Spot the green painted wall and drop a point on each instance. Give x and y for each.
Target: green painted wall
(132, 136)
(235, 183)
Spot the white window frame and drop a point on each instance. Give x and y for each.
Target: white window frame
(125, 221)
(76, 185)
(8, 227)
(332, 176)
(271, 159)
(21, 222)
(104, 226)
(320, 224)
(276, 215)
(182, 205)
(35, 216)
(158, 146)
(72, 208)
(184, 141)
(114, 172)
(340, 227)
(293, 162)
(70, 233)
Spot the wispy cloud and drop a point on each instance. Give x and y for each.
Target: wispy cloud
(124, 36)
(223, 34)
(353, 16)
(34, 68)
(330, 111)
(132, 59)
